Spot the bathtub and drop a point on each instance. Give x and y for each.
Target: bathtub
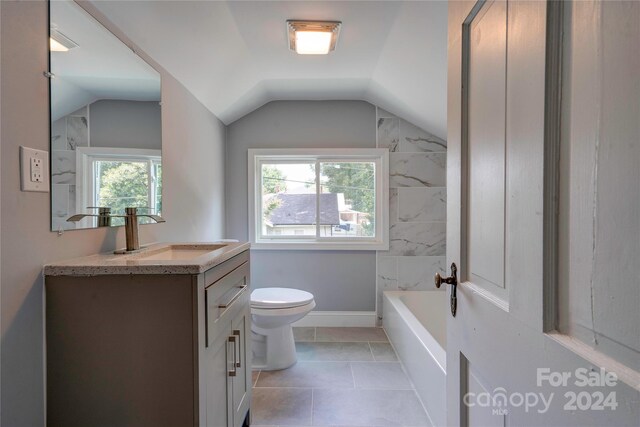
(415, 322)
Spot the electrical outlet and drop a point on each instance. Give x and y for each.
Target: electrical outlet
(34, 170)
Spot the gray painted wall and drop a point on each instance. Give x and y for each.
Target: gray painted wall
(125, 124)
(193, 141)
(340, 280)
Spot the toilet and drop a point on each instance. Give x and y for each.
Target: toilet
(273, 310)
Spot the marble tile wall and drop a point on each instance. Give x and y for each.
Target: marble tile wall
(417, 206)
(67, 133)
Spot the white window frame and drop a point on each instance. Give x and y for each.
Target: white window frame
(258, 157)
(85, 174)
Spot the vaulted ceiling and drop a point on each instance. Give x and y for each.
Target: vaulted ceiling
(233, 55)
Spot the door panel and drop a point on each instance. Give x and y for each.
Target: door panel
(218, 382)
(496, 343)
(475, 385)
(241, 383)
(486, 147)
(599, 173)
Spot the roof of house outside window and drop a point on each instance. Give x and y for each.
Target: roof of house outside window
(300, 209)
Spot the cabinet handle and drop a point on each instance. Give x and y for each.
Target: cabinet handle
(235, 297)
(238, 363)
(232, 339)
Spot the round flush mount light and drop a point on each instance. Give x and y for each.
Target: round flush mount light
(313, 37)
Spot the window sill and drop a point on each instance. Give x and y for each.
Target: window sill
(320, 246)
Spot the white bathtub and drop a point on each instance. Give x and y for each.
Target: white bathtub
(415, 322)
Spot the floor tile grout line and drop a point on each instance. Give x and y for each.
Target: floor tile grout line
(353, 375)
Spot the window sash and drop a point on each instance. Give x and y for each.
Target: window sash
(87, 182)
(378, 157)
(318, 162)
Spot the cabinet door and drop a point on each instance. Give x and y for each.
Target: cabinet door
(241, 383)
(219, 371)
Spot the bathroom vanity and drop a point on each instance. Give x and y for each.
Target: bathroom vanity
(157, 338)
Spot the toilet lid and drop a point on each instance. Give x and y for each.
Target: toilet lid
(279, 298)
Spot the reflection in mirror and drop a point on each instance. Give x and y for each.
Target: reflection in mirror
(106, 136)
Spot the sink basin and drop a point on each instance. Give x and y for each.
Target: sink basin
(176, 252)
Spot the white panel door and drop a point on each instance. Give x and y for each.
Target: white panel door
(505, 363)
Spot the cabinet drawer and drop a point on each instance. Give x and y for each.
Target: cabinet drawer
(220, 271)
(224, 298)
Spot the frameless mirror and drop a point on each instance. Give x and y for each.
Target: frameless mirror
(106, 138)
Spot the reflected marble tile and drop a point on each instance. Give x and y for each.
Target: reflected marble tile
(367, 408)
(417, 239)
(388, 133)
(281, 406)
(72, 200)
(416, 273)
(304, 334)
(77, 132)
(417, 170)
(383, 352)
(350, 334)
(422, 204)
(380, 375)
(309, 374)
(414, 139)
(60, 201)
(334, 351)
(63, 167)
(59, 134)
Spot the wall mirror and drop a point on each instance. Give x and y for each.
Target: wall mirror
(106, 138)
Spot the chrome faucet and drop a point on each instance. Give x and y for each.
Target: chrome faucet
(131, 227)
(104, 216)
(130, 224)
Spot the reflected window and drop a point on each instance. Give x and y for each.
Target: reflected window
(121, 178)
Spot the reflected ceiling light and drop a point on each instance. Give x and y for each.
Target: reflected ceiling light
(56, 46)
(58, 42)
(313, 37)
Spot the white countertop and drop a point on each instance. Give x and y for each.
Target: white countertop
(109, 263)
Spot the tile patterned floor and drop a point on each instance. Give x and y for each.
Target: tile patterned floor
(347, 377)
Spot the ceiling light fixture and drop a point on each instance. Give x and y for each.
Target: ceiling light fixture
(58, 42)
(313, 37)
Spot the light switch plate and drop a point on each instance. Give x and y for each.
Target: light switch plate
(34, 170)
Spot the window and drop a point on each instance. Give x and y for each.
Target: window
(119, 178)
(318, 199)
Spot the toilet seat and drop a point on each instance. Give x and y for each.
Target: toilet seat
(279, 298)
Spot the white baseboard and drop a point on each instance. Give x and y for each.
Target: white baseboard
(338, 318)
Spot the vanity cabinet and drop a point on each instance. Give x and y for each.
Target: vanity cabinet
(227, 349)
(151, 350)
